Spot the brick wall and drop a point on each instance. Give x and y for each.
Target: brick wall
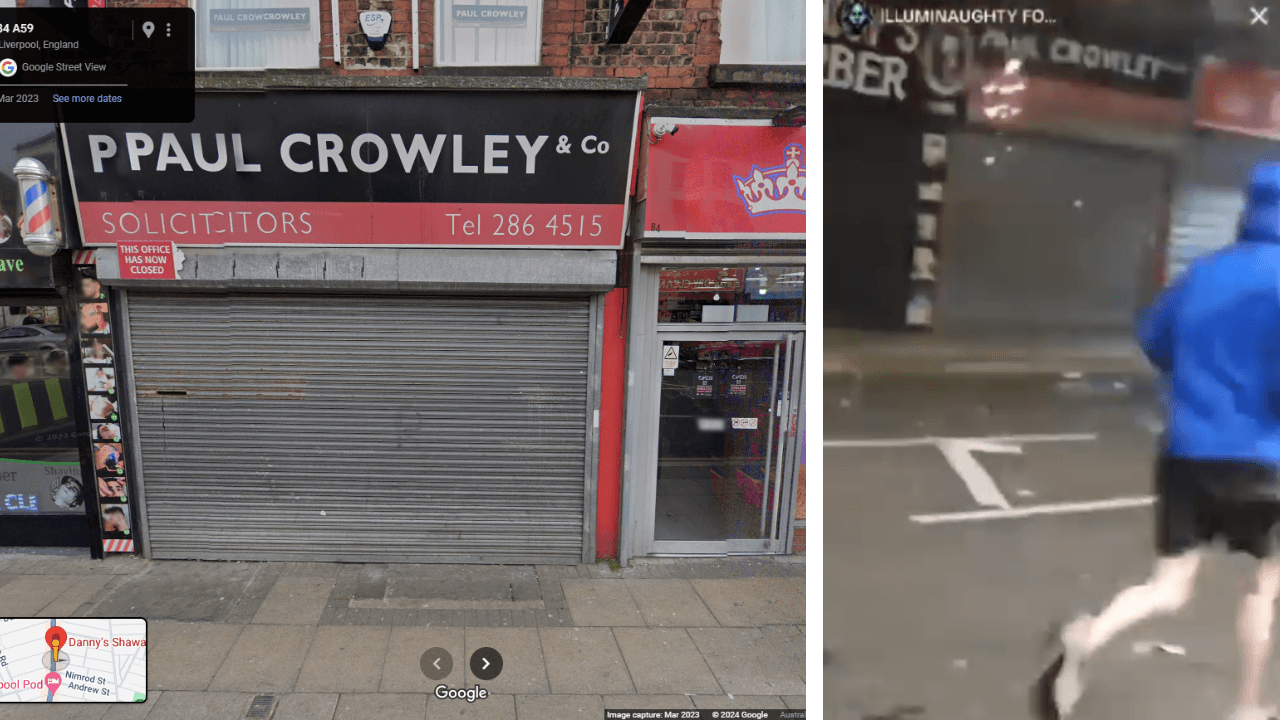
(675, 46)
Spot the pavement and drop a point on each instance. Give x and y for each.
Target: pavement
(936, 603)
(897, 353)
(330, 641)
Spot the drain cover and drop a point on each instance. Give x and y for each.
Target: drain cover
(261, 706)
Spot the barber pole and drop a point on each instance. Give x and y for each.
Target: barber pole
(36, 210)
(117, 546)
(82, 257)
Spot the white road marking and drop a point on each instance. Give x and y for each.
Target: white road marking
(1067, 508)
(959, 454)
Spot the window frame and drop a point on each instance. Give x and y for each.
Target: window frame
(536, 8)
(198, 6)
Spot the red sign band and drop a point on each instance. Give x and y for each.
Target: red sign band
(326, 223)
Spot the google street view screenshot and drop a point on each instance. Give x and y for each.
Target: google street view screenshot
(403, 359)
(1051, 334)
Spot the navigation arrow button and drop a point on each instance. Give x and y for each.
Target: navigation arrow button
(486, 663)
(437, 663)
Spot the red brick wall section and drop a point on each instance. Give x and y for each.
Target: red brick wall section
(675, 46)
(798, 546)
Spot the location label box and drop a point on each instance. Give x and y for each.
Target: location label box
(78, 65)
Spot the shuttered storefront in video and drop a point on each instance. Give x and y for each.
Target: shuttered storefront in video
(358, 428)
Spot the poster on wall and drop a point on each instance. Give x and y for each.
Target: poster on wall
(111, 478)
(47, 488)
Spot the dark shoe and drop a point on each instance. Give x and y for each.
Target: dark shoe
(1043, 704)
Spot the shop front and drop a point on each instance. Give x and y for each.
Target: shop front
(715, 401)
(1058, 188)
(363, 326)
(45, 499)
(1006, 178)
(1237, 126)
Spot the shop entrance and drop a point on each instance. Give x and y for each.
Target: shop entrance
(725, 440)
(716, 427)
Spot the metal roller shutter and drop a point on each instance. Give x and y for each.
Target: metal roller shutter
(364, 429)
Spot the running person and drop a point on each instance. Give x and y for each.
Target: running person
(1215, 337)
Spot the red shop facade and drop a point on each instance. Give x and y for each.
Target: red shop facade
(714, 434)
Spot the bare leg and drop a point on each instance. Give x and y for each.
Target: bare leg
(1166, 592)
(1257, 612)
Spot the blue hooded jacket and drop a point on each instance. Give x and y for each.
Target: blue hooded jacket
(1215, 334)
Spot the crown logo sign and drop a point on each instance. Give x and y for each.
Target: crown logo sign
(777, 189)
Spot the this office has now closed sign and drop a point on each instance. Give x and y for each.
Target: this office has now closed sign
(147, 260)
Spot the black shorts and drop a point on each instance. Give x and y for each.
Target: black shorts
(1198, 501)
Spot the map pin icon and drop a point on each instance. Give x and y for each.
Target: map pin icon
(53, 681)
(56, 638)
(148, 28)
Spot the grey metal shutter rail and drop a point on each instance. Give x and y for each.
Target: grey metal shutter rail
(363, 429)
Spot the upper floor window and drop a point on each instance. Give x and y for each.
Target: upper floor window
(762, 32)
(257, 34)
(488, 32)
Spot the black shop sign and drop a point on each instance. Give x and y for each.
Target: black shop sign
(917, 64)
(461, 169)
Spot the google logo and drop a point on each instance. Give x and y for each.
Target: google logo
(8, 67)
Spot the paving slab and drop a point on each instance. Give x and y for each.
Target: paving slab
(559, 707)
(584, 661)
(402, 671)
(371, 584)
(665, 661)
(745, 662)
(605, 603)
(73, 597)
(794, 702)
(306, 706)
(648, 702)
(27, 594)
(264, 659)
(181, 705)
(670, 603)
(788, 643)
(524, 669)
(312, 570)
(344, 660)
(753, 602)
(494, 707)
(739, 702)
(176, 590)
(462, 583)
(134, 711)
(186, 656)
(384, 706)
(48, 711)
(295, 601)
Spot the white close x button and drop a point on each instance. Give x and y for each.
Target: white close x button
(1259, 16)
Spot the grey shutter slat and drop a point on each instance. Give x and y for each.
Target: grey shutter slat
(427, 429)
(1204, 220)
